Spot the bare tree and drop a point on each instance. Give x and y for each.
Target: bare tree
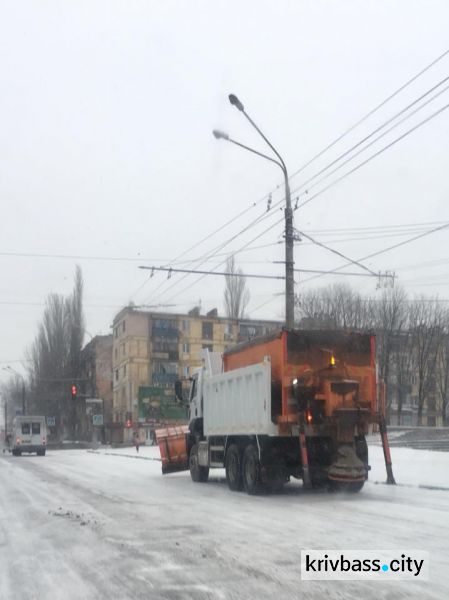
(401, 357)
(391, 314)
(426, 328)
(236, 294)
(335, 307)
(442, 372)
(54, 356)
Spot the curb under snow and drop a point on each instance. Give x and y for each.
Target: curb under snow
(124, 455)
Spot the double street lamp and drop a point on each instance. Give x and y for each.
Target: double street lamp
(289, 234)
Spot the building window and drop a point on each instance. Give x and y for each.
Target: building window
(122, 349)
(115, 354)
(209, 347)
(186, 325)
(124, 370)
(186, 347)
(123, 326)
(186, 371)
(208, 330)
(116, 374)
(115, 332)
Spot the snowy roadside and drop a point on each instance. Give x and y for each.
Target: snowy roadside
(411, 467)
(145, 452)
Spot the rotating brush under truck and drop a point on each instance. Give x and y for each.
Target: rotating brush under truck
(290, 404)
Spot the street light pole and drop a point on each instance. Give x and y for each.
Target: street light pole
(11, 370)
(289, 235)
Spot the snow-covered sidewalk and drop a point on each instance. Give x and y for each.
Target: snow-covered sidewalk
(145, 452)
(416, 468)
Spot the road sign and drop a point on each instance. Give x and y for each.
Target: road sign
(51, 421)
(97, 420)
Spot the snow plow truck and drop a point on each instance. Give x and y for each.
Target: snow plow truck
(289, 404)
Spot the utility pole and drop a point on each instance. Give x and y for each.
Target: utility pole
(289, 234)
(23, 397)
(289, 258)
(11, 370)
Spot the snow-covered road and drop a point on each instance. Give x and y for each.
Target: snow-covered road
(82, 525)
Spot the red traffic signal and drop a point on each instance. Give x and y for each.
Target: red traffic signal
(74, 391)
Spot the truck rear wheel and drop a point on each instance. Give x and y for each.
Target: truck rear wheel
(197, 473)
(251, 470)
(234, 468)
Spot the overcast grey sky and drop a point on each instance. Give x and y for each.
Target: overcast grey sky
(106, 149)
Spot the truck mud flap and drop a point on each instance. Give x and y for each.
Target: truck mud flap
(173, 448)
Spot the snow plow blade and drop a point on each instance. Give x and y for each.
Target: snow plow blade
(173, 448)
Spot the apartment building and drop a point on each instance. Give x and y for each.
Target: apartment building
(152, 350)
(95, 389)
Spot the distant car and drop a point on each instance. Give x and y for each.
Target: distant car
(29, 435)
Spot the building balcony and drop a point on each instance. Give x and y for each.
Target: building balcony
(165, 378)
(165, 332)
(167, 355)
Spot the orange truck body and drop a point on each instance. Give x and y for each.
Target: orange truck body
(290, 404)
(307, 357)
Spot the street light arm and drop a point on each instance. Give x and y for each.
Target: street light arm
(276, 162)
(239, 105)
(284, 168)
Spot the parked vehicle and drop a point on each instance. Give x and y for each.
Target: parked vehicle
(29, 434)
(290, 404)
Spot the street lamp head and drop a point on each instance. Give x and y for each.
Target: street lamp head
(236, 102)
(220, 135)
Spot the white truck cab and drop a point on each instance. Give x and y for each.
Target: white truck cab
(29, 434)
(212, 365)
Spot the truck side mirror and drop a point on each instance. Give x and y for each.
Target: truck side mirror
(178, 390)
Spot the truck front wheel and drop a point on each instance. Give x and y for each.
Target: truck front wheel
(197, 473)
(251, 470)
(234, 468)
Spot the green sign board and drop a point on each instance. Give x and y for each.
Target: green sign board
(159, 403)
(97, 420)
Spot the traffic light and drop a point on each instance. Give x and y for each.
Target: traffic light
(74, 391)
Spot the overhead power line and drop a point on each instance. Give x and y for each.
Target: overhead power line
(371, 112)
(374, 141)
(328, 147)
(393, 247)
(375, 155)
(197, 272)
(322, 152)
(357, 167)
(354, 262)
